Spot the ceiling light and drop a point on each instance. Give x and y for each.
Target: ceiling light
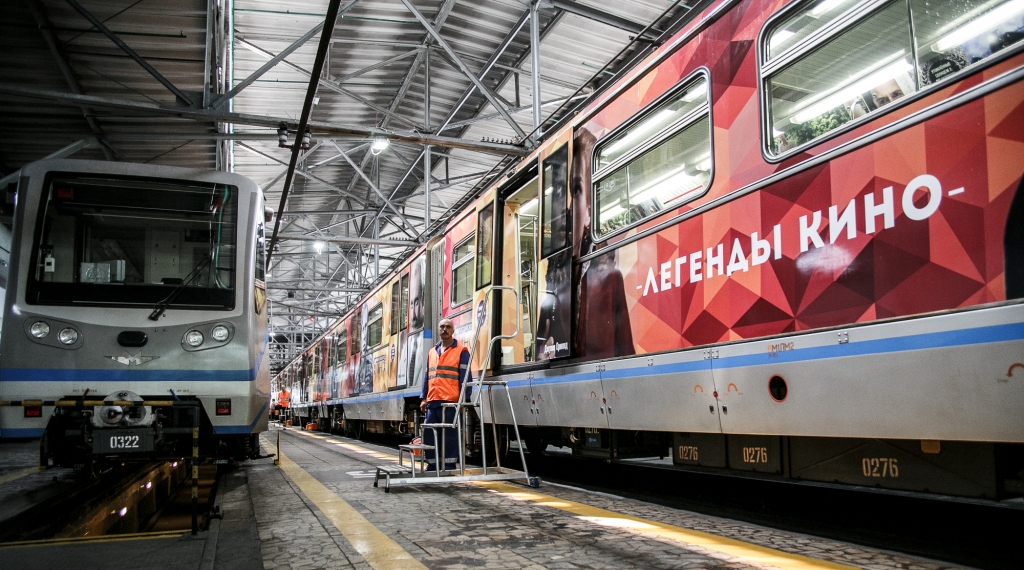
(379, 144)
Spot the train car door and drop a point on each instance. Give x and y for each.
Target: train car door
(520, 207)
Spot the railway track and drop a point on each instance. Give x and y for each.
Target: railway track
(976, 533)
(125, 499)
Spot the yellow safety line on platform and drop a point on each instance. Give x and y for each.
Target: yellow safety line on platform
(19, 474)
(95, 539)
(380, 552)
(376, 454)
(731, 547)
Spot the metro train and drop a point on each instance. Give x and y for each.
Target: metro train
(136, 293)
(788, 243)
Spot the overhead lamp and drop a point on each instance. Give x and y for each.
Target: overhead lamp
(379, 144)
(319, 246)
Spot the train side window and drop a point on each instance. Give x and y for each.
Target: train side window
(261, 254)
(376, 325)
(658, 161)
(831, 62)
(484, 245)
(342, 346)
(555, 212)
(396, 299)
(462, 272)
(357, 341)
(403, 319)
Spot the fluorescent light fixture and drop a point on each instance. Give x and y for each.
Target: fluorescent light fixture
(612, 212)
(983, 24)
(780, 37)
(639, 129)
(860, 86)
(696, 92)
(827, 6)
(532, 203)
(379, 144)
(665, 187)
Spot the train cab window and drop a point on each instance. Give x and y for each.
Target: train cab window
(830, 62)
(555, 212)
(484, 245)
(375, 328)
(462, 272)
(658, 161)
(126, 241)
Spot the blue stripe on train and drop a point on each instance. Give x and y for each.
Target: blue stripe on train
(80, 375)
(15, 433)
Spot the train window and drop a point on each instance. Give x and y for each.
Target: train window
(462, 272)
(126, 241)
(343, 346)
(396, 299)
(555, 212)
(357, 341)
(375, 329)
(403, 307)
(261, 255)
(657, 162)
(831, 62)
(484, 245)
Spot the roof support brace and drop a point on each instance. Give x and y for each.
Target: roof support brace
(352, 240)
(465, 70)
(206, 116)
(370, 183)
(274, 60)
(604, 17)
(131, 53)
(307, 107)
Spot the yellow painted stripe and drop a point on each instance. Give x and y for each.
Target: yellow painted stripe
(19, 474)
(728, 546)
(354, 448)
(94, 539)
(380, 552)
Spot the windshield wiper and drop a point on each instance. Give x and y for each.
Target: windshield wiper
(162, 305)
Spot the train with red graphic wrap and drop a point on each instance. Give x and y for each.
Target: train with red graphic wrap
(789, 241)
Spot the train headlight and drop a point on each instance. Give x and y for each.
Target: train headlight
(39, 329)
(193, 338)
(220, 333)
(68, 336)
(111, 415)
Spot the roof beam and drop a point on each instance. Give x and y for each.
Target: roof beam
(269, 65)
(206, 115)
(603, 17)
(351, 240)
(131, 53)
(465, 70)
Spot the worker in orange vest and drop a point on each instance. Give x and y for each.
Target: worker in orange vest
(447, 369)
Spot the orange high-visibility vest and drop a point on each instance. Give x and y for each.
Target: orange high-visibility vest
(443, 373)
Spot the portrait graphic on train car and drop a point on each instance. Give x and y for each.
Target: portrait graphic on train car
(551, 337)
(600, 294)
(419, 337)
(364, 367)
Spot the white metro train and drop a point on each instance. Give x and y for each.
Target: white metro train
(136, 295)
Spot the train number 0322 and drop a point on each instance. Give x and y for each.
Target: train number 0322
(124, 442)
(688, 453)
(755, 455)
(880, 467)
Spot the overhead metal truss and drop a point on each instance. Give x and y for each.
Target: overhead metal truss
(462, 89)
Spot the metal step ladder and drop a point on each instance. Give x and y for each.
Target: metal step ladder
(462, 474)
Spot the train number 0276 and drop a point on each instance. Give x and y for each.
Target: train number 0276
(124, 442)
(688, 453)
(755, 455)
(880, 467)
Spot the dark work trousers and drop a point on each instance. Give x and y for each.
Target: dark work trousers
(450, 437)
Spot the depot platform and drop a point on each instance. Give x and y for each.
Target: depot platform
(319, 509)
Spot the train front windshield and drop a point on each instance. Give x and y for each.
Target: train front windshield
(134, 242)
